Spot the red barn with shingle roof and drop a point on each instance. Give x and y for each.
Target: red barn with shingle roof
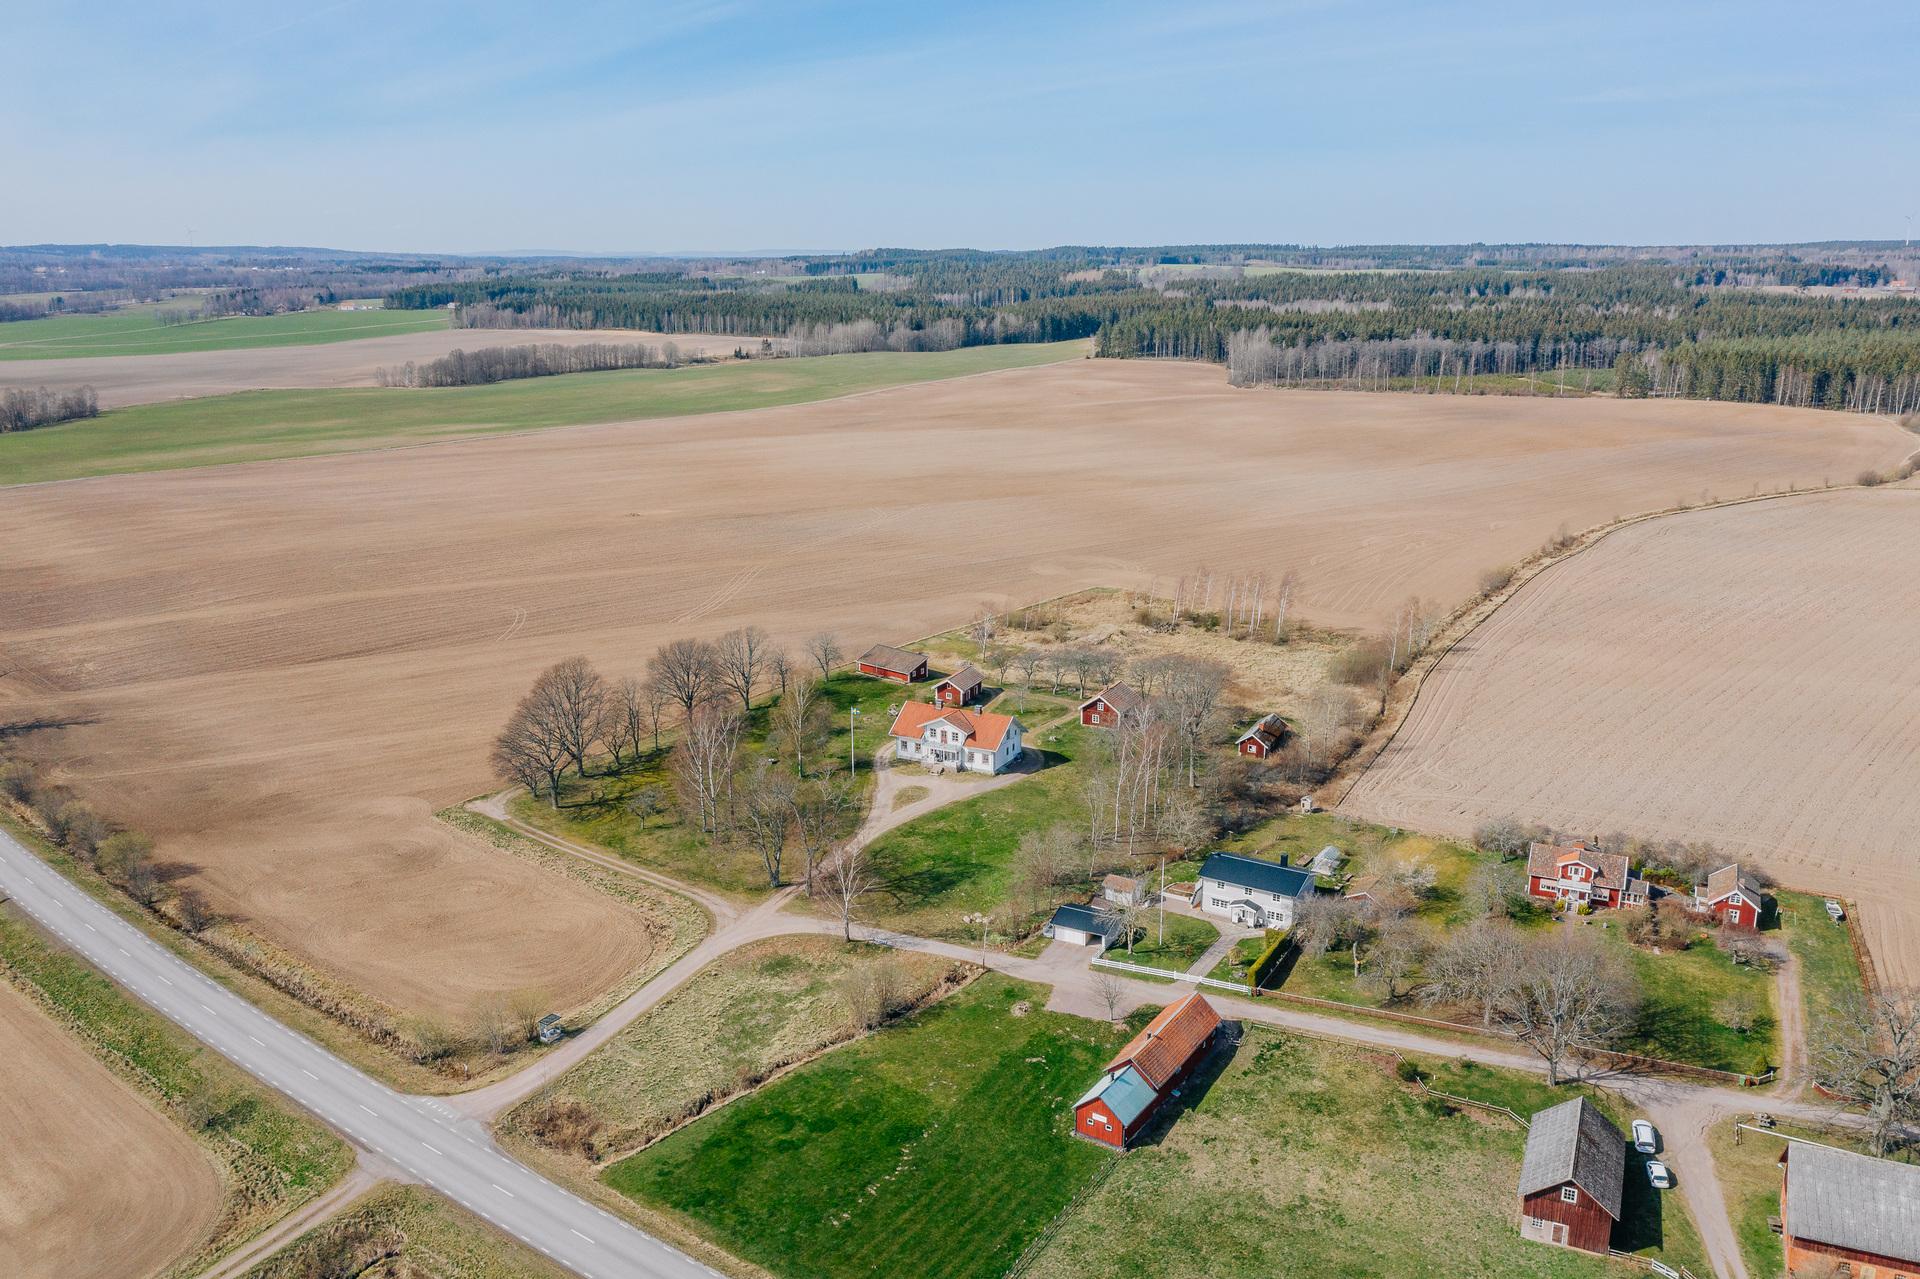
(1143, 1074)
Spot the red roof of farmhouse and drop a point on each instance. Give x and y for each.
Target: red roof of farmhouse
(983, 729)
(1170, 1040)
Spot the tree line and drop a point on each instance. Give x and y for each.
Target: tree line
(545, 359)
(22, 410)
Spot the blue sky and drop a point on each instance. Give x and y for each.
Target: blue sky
(737, 126)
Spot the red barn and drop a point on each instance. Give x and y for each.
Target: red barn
(1572, 1177)
(1579, 873)
(960, 687)
(1731, 896)
(1104, 708)
(902, 666)
(1145, 1072)
(1848, 1214)
(1259, 741)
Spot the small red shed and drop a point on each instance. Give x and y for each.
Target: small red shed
(1259, 741)
(1104, 708)
(1572, 1177)
(1731, 896)
(960, 687)
(902, 666)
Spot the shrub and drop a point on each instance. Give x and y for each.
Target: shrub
(1869, 479)
(82, 829)
(16, 780)
(1407, 1071)
(121, 852)
(1269, 958)
(191, 908)
(1495, 580)
(567, 1126)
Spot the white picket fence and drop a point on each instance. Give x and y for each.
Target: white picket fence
(1121, 965)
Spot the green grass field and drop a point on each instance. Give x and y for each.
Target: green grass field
(938, 1148)
(1304, 1157)
(1829, 969)
(134, 331)
(741, 1017)
(255, 426)
(272, 1158)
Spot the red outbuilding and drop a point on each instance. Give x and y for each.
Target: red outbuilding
(1731, 896)
(1104, 708)
(1259, 741)
(959, 688)
(902, 666)
(1572, 1177)
(1144, 1074)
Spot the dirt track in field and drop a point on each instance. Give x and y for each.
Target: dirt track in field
(1744, 676)
(282, 669)
(93, 1182)
(120, 380)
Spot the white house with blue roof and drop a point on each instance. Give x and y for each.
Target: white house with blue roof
(1250, 891)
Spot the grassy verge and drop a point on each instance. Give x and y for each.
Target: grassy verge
(406, 1232)
(1187, 939)
(958, 860)
(740, 1019)
(1297, 1156)
(1682, 997)
(938, 1148)
(134, 331)
(1830, 977)
(256, 426)
(272, 1158)
(1233, 965)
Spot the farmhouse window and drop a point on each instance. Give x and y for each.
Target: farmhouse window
(1569, 1194)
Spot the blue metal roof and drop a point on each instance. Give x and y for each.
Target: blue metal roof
(1251, 872)
(1126, 1092)
(1084, 918)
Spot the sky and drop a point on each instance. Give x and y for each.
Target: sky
(744, 127)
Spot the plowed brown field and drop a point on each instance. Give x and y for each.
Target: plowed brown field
(120, 380)
(92, 1181)
(282, 669)
(1744, 676)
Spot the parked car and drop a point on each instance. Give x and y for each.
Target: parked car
(1658, 1174)
(1835, 910)
(1645, 1139)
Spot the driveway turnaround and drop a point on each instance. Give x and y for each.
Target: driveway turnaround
(419, 1137)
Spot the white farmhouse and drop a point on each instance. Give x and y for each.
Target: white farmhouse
(948, 737)
(1249, 891)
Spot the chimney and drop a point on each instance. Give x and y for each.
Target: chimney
(1284, 858)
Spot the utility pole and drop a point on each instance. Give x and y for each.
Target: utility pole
(1161, 901)
(853, 753)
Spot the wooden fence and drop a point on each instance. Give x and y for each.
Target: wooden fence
(1024, 1262)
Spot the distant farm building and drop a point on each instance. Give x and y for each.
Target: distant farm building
(1731, 896)
(902, 666)
(1263, 738)
(948, 737)
(959, 688)
(1145, 1073)
(1579, 873)
(1251, 892)
(1082, 925)
(1106, 707)
(1848, 1214)
(1572, 1177)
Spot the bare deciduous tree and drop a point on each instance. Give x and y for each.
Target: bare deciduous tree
(741, 658)
(1476, 967)
(686, 670)
(1870, 1057)
(800, 722)
(570, 699)
(528, 752)
(767, 816)
(1191, 690)
(1397, 953)
(824, 812)
(703, 763)
(1111, 992)
(850, 878)
(1568, 991)
(824, 649)
(1027, 661)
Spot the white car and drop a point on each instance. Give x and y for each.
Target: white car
(1836, 910)
(1658, 1174)
(1645, 1139)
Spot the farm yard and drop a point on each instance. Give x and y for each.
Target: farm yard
(321, 359)
(940, 1146)
(323, 649)
(1738, 676)
(1300, 1156)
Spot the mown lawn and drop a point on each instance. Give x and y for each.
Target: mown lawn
(746, 1014)
(958, 860)
(938, 1149)
(1186, 940)
(256, 425)
(1830, 977)
(631, 811)
(1305, 1157)
(135, 331)
(272, 1157)
(1681, 995)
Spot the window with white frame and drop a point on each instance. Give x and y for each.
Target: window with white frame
(1569, 1194)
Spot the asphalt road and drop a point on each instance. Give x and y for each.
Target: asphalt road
(419, 1137)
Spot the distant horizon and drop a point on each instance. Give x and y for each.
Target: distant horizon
(682, 122)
